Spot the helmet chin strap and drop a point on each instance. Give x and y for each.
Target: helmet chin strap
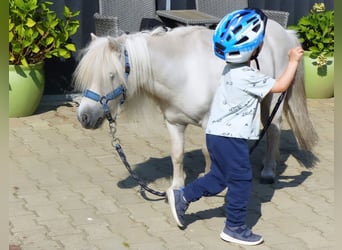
(255, 56)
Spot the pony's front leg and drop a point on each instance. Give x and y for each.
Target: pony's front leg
(177, 153)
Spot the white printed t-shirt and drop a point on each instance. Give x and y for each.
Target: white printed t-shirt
(235, 110)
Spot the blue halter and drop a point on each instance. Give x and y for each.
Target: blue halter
(103, 100)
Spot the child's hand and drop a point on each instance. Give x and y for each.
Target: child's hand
(284, 81)
(295, 54)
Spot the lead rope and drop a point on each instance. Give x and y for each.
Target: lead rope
(269, 121)
(119, 150)
(270, 118)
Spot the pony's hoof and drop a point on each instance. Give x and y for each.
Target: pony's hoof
(267, 176)
(266, 180)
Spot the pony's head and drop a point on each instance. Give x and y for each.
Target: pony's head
(100, 74)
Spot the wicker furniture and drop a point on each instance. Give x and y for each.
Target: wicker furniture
(117, 16)
(106, 25)
(220, 8)
(129, 16)
(279, 16)
(186, 17)
(204, 14)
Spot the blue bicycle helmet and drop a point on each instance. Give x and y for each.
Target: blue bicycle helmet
(238, 34)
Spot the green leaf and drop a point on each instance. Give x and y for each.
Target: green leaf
(53, 24)
(20, 4)
(11, 58)
(67, 12)
(10, 37)
(62, 52)
(35, 49)
(30, 23)
(10, 26)
(24, 62)
(26, 43)
(71, 47)
(49, 40)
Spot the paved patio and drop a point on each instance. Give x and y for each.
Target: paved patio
(69, 189)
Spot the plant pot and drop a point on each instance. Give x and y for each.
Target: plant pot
(319, 82)
(26, 87)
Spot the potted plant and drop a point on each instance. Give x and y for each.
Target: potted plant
(316, 34)
(35, 34)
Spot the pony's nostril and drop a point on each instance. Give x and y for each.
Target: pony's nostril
(99, 122)
(87, 121)
(84, 118)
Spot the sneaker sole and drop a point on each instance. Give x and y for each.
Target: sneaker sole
(171, 200)
(228, 238)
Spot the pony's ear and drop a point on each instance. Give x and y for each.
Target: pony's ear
(113, 44)
(93, 36)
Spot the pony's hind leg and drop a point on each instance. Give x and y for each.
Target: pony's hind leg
(177, 153)
(271, 157)
(268, 173)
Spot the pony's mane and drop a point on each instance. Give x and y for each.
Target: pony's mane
(139, 56)
(99, 58)
(139, 59)
(142, 106)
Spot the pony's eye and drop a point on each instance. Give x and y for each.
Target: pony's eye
(111, 75)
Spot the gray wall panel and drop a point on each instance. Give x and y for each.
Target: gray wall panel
(296, 8)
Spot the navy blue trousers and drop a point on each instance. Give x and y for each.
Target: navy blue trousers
(230, 168)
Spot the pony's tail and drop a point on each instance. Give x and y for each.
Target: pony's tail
(296, 112)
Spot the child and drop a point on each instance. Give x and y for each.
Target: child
(234, 119)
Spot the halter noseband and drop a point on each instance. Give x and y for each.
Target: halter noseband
(103, 100)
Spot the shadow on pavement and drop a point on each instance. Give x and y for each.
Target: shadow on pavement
(194, 164)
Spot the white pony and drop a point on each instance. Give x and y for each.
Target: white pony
(178, 70)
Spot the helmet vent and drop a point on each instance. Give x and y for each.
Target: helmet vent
(234, 53)
(243, 39)
(220, 46)
(227, 24)
(219, 49)
(237, 29)
(253, 19)
(256, 28)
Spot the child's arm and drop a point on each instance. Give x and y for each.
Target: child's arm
(285, 80)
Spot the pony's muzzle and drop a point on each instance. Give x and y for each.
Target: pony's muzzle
(90, 117)
(88, 123)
